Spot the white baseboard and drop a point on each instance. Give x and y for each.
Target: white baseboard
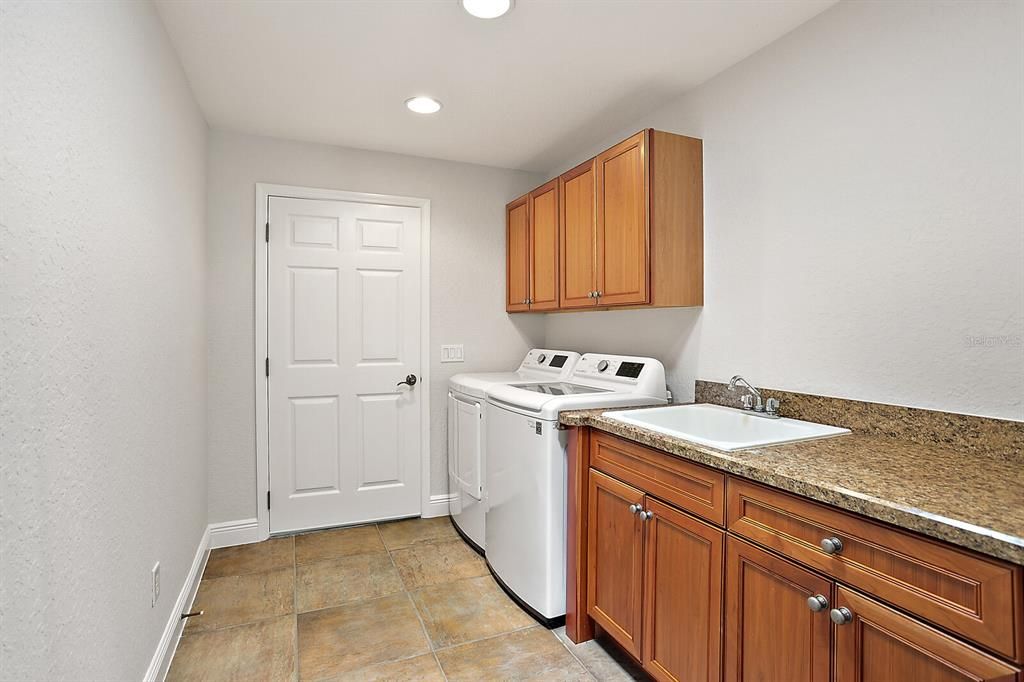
(437, 506)
(161, 660)
(230, 533)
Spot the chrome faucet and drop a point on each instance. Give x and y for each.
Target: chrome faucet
(752, 400)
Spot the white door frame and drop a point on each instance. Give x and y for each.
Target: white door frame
(263, 193)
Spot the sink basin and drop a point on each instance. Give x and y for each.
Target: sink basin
(724, 428)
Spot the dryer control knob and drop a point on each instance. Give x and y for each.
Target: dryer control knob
(602, 366)
(541, 358)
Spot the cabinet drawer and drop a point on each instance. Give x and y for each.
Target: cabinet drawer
(976, 597)
(686, 485)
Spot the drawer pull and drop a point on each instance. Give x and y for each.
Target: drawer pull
(841, 616)
(817, 603)
(832, 545)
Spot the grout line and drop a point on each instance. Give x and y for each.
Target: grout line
(295, 613)
(416, 610)
(573, 654)
(236, 625)
(492, 636)
(240, 575)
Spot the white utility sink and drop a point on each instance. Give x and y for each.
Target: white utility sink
(724, 428)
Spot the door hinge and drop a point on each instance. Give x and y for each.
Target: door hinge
(266, 235)
(266, 367)
(268, 499)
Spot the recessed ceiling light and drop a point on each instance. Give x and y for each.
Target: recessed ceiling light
(423, 105)
(487, 9)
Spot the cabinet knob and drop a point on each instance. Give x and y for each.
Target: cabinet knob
(591, 294)
(817, 603)
(599, 294)
(841, 616)
(634, 508)
(832, 545)
(646, 515)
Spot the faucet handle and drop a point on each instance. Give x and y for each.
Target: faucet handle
(748, 401)
(771, 406)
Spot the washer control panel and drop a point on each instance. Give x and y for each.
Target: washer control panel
(610, 367)
(557, 362)
(621, 373)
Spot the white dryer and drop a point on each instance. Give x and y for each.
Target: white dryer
(467, 426)
(526, 471)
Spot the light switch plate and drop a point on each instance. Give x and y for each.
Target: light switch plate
(452, 353)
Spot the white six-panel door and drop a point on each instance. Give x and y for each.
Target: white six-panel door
(343, 329)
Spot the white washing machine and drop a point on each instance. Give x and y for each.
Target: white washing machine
(526, 471)
(467, 426)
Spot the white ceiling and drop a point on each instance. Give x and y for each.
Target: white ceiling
(528, 90)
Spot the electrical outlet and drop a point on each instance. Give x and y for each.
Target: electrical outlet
(156, 583)
(452, 353)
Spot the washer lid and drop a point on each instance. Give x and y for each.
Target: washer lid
(476, 385)
(540, 364)
(560, 388)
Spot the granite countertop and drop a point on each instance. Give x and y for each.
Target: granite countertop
(970, 499)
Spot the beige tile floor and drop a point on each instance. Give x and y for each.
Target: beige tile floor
(407, 600)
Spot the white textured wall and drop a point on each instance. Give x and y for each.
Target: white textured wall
(102, 343)
(467, 281)
(863, 214)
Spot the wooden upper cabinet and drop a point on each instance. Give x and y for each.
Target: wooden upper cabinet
(578, 237)
(615, 559)
(543, 217)
(630, 225)
(771, 635)
(682, 636)
(623, 254)
(879, 644)
(517, 255)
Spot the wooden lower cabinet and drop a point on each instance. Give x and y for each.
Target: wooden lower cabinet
(753, 602)
(771, 635)
(682, 635)
(655, 581)
(615, 559)
(880, 644)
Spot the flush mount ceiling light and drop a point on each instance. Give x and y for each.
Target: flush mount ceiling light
(423, 105)
(487, 9)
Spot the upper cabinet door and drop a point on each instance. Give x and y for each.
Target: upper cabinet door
(623, 255)
(878, 644)
(578, 237)
(517, 255)
(544, 247)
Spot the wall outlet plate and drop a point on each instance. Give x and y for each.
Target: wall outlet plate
(452, 353)
(156, 583)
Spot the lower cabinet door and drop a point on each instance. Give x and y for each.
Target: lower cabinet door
(615, 559)
(682, 596)
(879, 644)
(772, 634)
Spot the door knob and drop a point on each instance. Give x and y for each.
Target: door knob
(832, 545)
(817, 603)
(841, 616)
(410, 381)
